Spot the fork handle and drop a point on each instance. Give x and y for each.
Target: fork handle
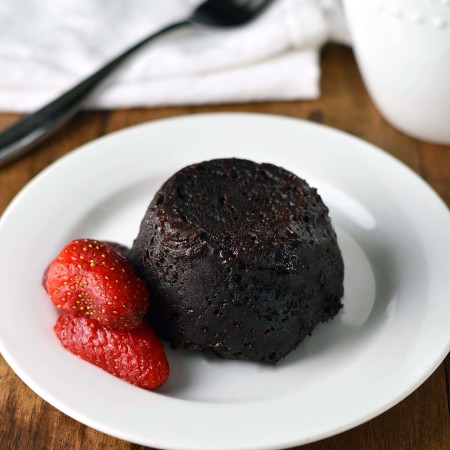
(33, 128)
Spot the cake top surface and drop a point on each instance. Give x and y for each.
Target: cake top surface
(237, 204)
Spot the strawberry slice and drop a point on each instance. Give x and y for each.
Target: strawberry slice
(93, 278)
(136, 356)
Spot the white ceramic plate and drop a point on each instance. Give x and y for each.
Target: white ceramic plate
(393, 332)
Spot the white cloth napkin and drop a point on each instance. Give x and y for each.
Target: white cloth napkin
(46, 46)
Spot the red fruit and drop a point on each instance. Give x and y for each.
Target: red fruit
(136, 356)
(91, 277)
(119, 248)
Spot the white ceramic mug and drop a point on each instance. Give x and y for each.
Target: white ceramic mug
(403, 51)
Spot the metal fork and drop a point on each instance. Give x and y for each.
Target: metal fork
(33, 128)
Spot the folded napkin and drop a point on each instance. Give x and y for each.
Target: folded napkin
(46, 46)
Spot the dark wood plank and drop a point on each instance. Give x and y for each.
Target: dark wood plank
(435, 167)
(447, 380)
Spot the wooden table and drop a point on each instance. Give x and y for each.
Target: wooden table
(421, 421)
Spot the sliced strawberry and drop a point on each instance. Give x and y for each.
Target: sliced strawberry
(121, 249)
(136, 356)
(92, 278)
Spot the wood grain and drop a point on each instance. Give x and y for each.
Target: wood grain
(421, 421)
